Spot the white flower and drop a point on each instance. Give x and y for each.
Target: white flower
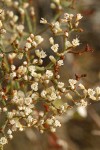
(21, 70)
(83, 103)
(28, 111)
(97, 90)
(21, 94)
(40, 54)
(12, 121)
(35, 96)
(29, 119)
(38, 39)
(12, 55)
(66, 34)
(55, 48)
(35, 61)
(43, 21)
(53, 129)
(60, 85)
(60, 63)
(20, 28)
(66, 16)
(78, 17)
(62, 109)
(28, 100)
(15, 18)
(49, 121)
(53, 96)
(3, 141)
(10, 115)
(72, 83)
(13, 67)
(91, 94)
(49, 73)
(82, 111)
(10, 13)
(20, 55)
(71, 16)
(56, 27)
(13, 75)
(34, 86)
(9, 132)
(67, 44)
(75, 42)
(43, 93)
(32, 68)
(10, 136)
(57, 123)
(28, 45)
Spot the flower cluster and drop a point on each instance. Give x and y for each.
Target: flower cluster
(31, 90)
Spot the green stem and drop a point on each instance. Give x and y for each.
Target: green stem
(29, 22)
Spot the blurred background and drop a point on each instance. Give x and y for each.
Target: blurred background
(80, 128)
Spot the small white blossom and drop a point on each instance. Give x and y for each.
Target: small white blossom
(9, 132)
(43, 21)
(53, 129)
(56, 27)
(13, 67)
(83, 103)
(13, 75)
(28, 100)
(68, 44)
(60, 84)
(78, 17)
(28, 45)
(72, 83)
(49, 121)
(91, 94)
(55, 48)
(97, 90)
(60, 63)
(76, 42)
(3, 141)
(40, 54)
(12, 55)
(34, 86)
(57, 123)
(43, 93)
(49, 73)
(38, 39)
(82, 111)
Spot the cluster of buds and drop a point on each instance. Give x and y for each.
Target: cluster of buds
(31, 91)
(33, 41)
